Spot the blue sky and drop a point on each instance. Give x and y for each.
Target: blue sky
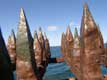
(52, 15)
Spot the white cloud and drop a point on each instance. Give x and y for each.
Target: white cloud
(52, 28)
(73, 24)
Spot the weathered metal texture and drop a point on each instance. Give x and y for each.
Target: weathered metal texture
(101, 42)
(64, 49)
(42, 52)
(90, 50)
(101, 46)
(44, 60)
(37, 50)
(42, 43)
(11, 46)
(24, 50)
(69, 44)
(76, 56)
(5, 62)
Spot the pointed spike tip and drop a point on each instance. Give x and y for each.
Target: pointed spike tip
(22, 13)
(68, 31)
(13, 36)
(76, 33)
(85, 8)
(69, 36)
(85, 5)
(21, 10)
(88, 22)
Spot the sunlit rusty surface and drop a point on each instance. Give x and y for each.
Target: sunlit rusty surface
(24, 49)
(86, 53)
(11, 46)
(91, 52)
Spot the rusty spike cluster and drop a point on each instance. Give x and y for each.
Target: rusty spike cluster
(42, 42)
(37, 50)
(71, 51)
(67, 45)
(85, 52)
(76, 55)
(28, 56)
(91, 51)
(41, 48)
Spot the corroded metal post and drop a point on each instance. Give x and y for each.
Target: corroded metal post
(76, 56)
(37, 50)
(5, 62)
(42, 43)
(69, 44)
(24, 51)
(90, 50)
(11, 46)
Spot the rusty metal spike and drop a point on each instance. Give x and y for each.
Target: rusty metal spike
(65, 50)
(11, 46)
(91, 52)
(41, 37)
(75, 64)
(23, 37)
(76, 39)
(42, 42)
(24, 49)
(69, 36)
(87, 21)
(37, 50)
(69, 44)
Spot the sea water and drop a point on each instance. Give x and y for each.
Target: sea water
(59, 71)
